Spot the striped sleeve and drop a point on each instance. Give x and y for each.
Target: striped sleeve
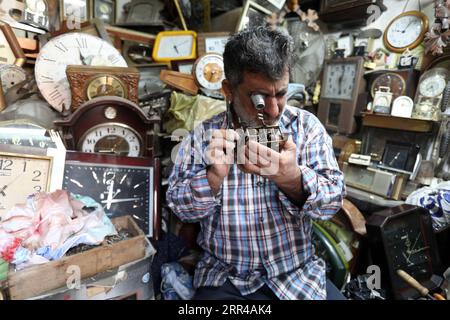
(189, 195)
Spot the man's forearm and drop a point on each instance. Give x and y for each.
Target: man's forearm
(293, 189)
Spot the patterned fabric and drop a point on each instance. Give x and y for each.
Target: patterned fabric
(250, 231)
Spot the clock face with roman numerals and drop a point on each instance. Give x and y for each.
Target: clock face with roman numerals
(70, 49)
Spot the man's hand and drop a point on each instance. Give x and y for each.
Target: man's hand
(219, 155)
(279, 167)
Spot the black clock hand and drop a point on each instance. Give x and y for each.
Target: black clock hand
(82, 58)
(411, 21)
(176, 49)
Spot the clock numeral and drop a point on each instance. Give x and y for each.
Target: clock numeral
(5, 165)
(83, 43)
(113, 58)
(38, 188)
(90, 141)
(37, 174)
(98, 133)
(55, 94)
(111, 130)
(61, 46)
(24, 166)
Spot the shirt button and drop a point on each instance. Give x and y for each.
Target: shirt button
(266, 257)
(259, 183)
(261, 219)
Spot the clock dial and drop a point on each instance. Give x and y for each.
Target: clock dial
(432, 86)
(394, 81)
(112, 138)
(21, 176)
(75, 9)
(406, 31)
(340, 81)
(209, 71)
(402, 107)
(174, 45)
(215, 45)
(104, 10)
(11, 75)
(70, 49)
(409, 249)
(105, 86)
(121, 190)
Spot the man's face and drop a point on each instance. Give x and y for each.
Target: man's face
(274, 92)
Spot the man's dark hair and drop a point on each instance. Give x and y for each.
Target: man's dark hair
(258, 50)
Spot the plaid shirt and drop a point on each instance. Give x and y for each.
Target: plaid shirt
(251, 232)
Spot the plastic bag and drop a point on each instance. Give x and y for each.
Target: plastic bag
(436, 200)
(188, 111)
(176, 283)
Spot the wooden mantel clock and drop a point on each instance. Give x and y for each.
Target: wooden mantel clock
(111, 125)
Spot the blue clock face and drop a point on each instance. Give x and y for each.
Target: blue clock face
(121, 190)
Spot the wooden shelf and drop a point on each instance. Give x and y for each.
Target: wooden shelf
(398, 123)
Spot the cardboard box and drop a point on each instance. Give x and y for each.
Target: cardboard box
(36, 280)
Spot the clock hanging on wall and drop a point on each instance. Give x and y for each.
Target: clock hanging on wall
(342, 83)
(110, 125)
(406, 31)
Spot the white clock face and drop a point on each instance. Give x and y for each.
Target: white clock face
(404, 31)
(432, 86)
(11, 75)
(70, 49)
(402, 107)
(175, 46)
(216, 44)
(112, 138)
(209, 71)
(340, 81)
(6, 53)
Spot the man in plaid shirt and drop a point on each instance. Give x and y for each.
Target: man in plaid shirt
(256, 214)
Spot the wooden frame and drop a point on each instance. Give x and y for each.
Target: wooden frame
(14, 43)
(93, 27)
(104, 159)
(337, 114)
(202, 38)
(62, 13)
(424, 20)
(92, 10)
(251, 5)
(119, 35)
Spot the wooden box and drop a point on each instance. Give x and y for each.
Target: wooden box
(39, 279)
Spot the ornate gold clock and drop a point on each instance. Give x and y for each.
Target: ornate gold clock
(110, 125)
(88, 82)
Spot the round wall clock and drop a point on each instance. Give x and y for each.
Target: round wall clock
(406, 31)
(110, 125)
(70, 49)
